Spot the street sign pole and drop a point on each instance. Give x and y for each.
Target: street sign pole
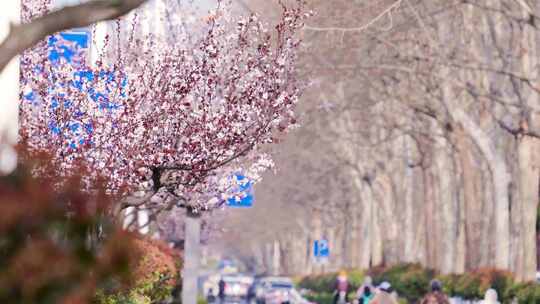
(192, 253)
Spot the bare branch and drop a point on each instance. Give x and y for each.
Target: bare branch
(387, 11)
(24, 36)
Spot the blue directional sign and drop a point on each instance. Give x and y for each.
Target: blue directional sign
(243, 195)
(321, 249)
(71, 49)
(69, 45)
(81, 38)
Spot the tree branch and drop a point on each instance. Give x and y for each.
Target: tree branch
(24, 36)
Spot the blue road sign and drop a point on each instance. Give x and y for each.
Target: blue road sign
(81, 38)
(71, 48)
(243, 197)
(69, 45)
(321, 249)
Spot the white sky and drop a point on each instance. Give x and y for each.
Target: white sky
(9, 92)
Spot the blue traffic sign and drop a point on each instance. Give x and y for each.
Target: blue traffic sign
(81, 38)
(71, 49)
(68, 46)
(321, 249)
(243, 195)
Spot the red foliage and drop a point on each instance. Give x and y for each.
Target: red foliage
(49, 251)
(488, 277)
(156, 257)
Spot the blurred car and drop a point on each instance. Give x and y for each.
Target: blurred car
(281, 295)
(295, 297)
(236, 287)
(210, 285)
(268, 288)
(227, 267)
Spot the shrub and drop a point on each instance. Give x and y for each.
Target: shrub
(156, 257)
(410, 281)
(527, 293)
(50, 251)
(473, 285)
(356, 278)
(468, 286)
(323, 283)
(155, 275)
(201, 300)
(499, 280)
(321, 298)
(449, 283)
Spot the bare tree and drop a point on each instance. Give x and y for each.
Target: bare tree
(430, 112)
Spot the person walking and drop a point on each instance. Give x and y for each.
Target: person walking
(383, 295)
(436, 295)
(221, 291)
(490, 297)
(341, 288)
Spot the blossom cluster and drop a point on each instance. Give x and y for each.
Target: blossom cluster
(184, 114)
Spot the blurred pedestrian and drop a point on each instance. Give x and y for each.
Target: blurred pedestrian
(368, 282)
(341, 288)
(221, 291)
(490, 297)
(210, 297)
(383, 295)
(436, 295)
(366, 296)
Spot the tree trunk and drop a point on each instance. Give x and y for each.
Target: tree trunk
(445, 212)
(528, 184)
(408, 222)
(472, 199)
(528, 148)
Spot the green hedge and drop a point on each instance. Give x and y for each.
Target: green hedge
(321, 298)
(411, 281)
(527, 293)
(319, 283)
(324, 283)
(473, 285)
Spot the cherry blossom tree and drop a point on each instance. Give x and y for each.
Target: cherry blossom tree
(173, 118)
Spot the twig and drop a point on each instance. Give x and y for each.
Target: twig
(388, 10)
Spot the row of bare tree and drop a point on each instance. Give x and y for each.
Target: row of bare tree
(421, 142)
